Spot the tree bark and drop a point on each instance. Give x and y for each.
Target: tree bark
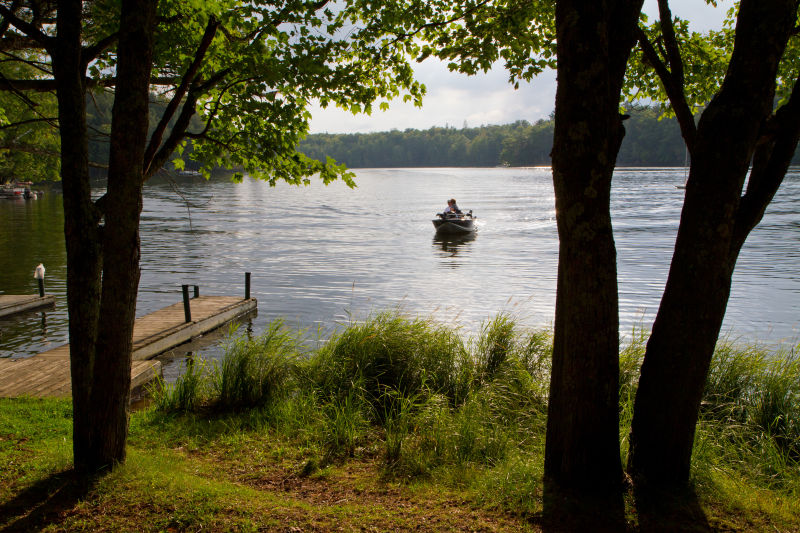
(582, 447)
(692, 308)
(111, 389)
(80, 226)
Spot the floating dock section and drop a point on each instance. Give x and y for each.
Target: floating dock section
(48, 374)
(13, 304)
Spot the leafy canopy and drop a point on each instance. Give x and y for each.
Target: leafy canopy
(248, 70)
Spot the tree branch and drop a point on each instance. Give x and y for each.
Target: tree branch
(47, 85)
(771, 160)
(17, 92)
(50, 120)
(29, 148)
(38, 65)
(27, 28)
(673, 89)
(11, 40)
(180, 92)
(159, 158)
(5, 24)
(182, 123)
(90, 53)
(438, 24)
(274, 22)
(671, 43)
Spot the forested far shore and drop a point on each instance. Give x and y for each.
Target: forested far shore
(649, 141)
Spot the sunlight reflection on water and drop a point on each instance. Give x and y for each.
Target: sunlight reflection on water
(321, 255)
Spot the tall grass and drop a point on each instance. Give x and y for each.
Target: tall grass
(435, 403)
(256, 371)
(187, 393)
(389, 352)
(252, 373)
(750, 417)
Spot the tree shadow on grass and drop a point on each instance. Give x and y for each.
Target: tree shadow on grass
(43, 502)
(661, 511)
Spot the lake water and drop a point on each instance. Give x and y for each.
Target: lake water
(322, 256)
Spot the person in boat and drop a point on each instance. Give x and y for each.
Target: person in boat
(452, 208)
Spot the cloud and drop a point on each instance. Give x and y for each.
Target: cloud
(451, 100)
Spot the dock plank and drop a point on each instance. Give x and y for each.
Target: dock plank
(48, 373)
(13, 304)
(51, 377)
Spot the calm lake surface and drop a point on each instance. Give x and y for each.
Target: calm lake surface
(322, 256)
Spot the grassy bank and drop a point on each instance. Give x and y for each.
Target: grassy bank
(392, 424)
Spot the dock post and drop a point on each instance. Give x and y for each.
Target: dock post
(39, 275)
(247, 285)
(197, 291)
(187, 311)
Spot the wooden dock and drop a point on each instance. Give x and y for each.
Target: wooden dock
(47, 373)
(12, 304)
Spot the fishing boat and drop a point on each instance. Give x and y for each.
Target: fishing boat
(454, 223)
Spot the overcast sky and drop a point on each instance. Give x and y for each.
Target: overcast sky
(455, 99)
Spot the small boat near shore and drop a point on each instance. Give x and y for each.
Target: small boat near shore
(454, 224)
(19, 190)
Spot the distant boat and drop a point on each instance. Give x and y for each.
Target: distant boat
(454, 224)
(19, 190)
(189, 173)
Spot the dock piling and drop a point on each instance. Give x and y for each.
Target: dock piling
(197, 291)
(247, 285)
(39, 275)
(187, 310)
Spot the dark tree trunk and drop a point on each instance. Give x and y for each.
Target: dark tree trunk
(123, 205)
(101, 295)
(709, 238)
(80, 226)
(582, 449)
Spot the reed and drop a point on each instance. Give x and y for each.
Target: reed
(504, 408)
(345, 426)
(750, 418)
(187, 393)
(256, 371)
(390, 352)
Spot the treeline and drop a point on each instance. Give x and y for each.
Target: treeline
(648, 142)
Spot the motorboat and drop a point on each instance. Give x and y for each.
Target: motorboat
(454, 223)
(19, 190)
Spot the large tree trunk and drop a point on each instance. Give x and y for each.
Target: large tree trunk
(582, 449)
(101, 296)
(80, 225)
(709, 238)
(123, 205)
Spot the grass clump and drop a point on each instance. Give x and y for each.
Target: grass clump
(259, 370)
(187, 393)
(750, 417)
(389, 352)
(253, 372)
